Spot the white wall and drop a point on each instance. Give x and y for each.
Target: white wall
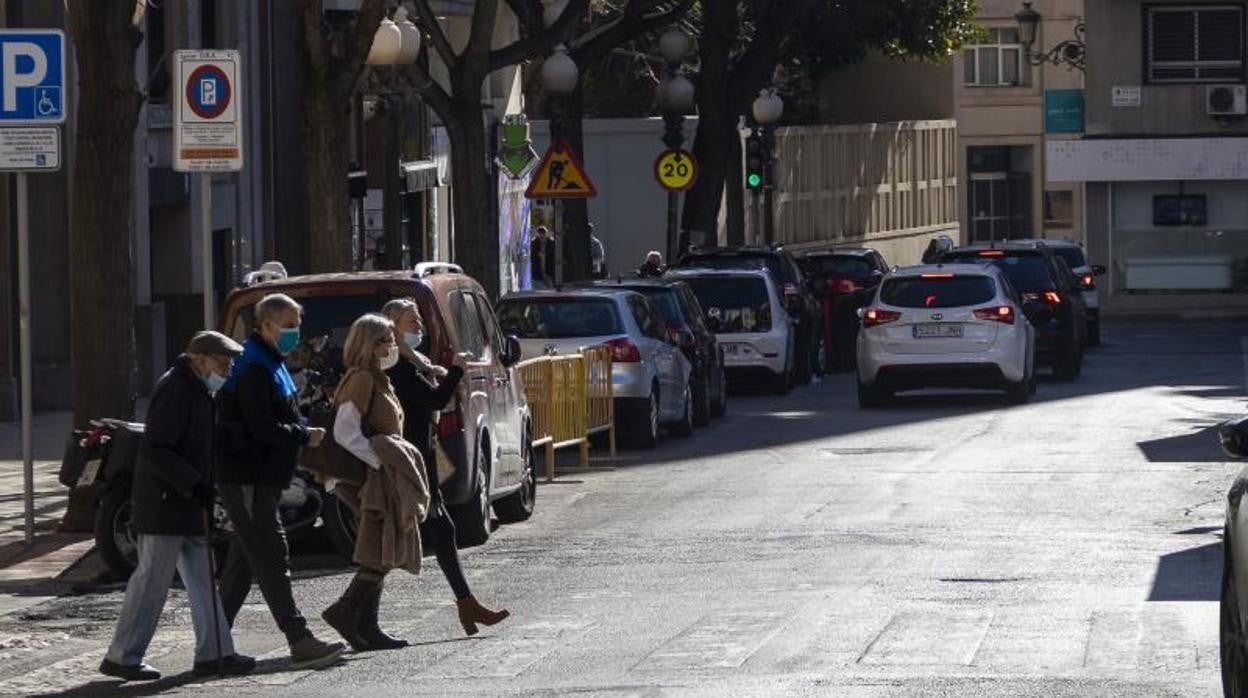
(630, 212)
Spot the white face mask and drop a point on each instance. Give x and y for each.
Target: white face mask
(391, 358)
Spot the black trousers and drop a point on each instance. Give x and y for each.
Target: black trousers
(259, 551)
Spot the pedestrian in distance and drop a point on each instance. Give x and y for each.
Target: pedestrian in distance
(424, 389)
(652, 267)
(171, 494)
(394, 496)
(542, 258)
(261, 433)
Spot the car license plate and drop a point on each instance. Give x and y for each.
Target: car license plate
(732, 350)
(938, 331)
(89, 473)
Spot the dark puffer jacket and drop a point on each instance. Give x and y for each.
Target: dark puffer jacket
(176, 455)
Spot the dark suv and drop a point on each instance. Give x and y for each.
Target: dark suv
(844, 280)
(804, 307)
(686, 325)
(1052, 299)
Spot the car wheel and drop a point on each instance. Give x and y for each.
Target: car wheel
(821, 356)
(720, 407)
(1094, 333)
(702, 408)
(804, 369)
(684, 427)
(870, 396)
(519, 506)
(783, 383)
(1019, 393)
(1067, 364)
(1231, 637)
(472, 518)
(114, 533)
(645, 429)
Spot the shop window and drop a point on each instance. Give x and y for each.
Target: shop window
(1202, 43)
(998, 62)
(1059, 209)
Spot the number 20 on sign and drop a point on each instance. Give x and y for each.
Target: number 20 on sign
(676, 170)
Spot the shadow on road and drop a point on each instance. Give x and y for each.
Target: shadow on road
(1189, 575)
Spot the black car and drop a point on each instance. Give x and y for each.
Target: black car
(1052, 299)
(804, 307)
(686, 323)
(844, 280)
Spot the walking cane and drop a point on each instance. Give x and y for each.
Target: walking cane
(212, 584)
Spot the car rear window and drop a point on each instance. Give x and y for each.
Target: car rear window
(760, 261)
(953, 291)
(733, 304)
(1027, 271)
(559, 318)
(837, 266)
(1073, 256)
(664, 300)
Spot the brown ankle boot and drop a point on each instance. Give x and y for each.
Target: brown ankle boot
(472, 613)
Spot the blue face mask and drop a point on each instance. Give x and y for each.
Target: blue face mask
(413, 340)
(214, 382)
(288, 340)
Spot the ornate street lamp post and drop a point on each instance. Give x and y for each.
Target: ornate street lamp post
(676, 98)
(560, 77)
(1070, 52)
(767, 110)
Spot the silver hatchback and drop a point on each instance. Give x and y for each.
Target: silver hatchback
(651, 376)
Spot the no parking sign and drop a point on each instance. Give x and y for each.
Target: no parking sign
(207, 124)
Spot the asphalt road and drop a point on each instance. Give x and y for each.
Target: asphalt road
(947, 545)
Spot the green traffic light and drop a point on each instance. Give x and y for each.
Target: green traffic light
(754, 180)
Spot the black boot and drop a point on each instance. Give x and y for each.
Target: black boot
(345, 614)
(370, 632)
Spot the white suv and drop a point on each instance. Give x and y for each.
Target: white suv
(745, 309)
(945, 326)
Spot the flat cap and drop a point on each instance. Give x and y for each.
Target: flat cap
(213, 343)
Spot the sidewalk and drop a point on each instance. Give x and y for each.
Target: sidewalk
(26, 574)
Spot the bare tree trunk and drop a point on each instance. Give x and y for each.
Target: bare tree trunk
(102, 294)
(716, 120)
(734, 196)
(327, 161)
(476, 227)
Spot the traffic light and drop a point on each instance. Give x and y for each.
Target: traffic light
(755, 162)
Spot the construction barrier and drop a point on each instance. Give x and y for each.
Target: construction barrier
(570, 397)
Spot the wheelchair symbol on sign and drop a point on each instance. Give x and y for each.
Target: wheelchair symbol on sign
(45, 106)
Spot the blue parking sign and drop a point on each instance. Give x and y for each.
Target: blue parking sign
(32, 76)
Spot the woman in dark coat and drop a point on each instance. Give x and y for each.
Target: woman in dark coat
(424, 389)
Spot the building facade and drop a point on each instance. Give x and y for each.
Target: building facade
(1165, 154)
(1007, 109)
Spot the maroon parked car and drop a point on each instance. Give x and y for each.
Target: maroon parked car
(843, 280)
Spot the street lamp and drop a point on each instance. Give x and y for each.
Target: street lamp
(1071, 51)
(396, 42)
(676, 95)
(560, 77)
(767, 110)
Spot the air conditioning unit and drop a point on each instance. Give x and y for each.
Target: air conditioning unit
(1226, 100)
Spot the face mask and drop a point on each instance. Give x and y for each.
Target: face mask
(214, 382)
(288, 340)
(413, 339)
(390, 359)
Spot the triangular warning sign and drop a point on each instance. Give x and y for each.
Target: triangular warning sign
(560, 176)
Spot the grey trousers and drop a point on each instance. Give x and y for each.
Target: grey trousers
(148, 588)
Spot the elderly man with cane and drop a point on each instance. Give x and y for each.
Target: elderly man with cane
(172, 494)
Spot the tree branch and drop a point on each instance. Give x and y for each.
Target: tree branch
(591, 47)
(313, 39)
(529, 14)
(441, 44)
(540, 44)
(481, 32)
(419, 80)
(357, 45)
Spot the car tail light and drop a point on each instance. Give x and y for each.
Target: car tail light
(624, 351)
(992, 253)
(1002, 313)
(935, 276)
(1087, 281)
(841, 286)
(451, 422)
(1052, 298)
(875, 316)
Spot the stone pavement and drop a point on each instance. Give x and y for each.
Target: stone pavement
(27, 574)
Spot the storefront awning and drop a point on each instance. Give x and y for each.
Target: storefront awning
(421, 175)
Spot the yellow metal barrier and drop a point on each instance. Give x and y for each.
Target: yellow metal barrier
(570, 397)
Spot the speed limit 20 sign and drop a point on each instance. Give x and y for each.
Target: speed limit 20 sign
(676, 170)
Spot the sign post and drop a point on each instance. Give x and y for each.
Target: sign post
(207, 136)
(32, 92)
(560, 176)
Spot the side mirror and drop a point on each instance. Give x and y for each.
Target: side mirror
(1098, 269)
(512, 352)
